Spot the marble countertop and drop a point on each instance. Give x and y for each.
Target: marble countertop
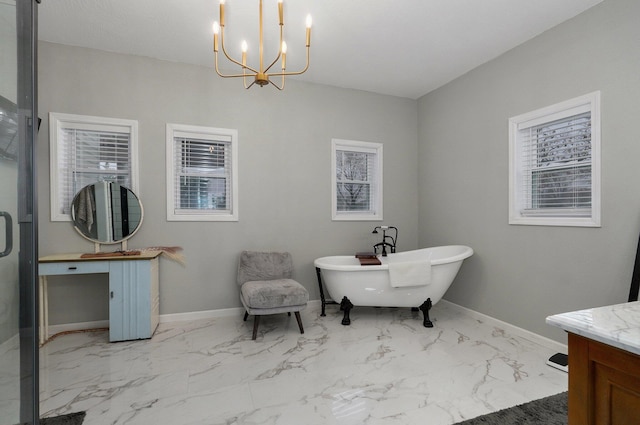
(616, 325)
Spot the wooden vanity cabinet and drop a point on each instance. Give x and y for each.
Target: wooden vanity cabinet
(604, 384)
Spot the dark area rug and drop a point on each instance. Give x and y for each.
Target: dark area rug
(70, 419)
(546, 411)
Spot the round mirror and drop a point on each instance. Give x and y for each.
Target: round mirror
(106, 212)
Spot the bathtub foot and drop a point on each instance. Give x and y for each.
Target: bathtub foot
(346, 306)
(324, 302)
(425, 307)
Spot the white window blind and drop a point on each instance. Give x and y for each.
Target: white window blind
(203, 175)
(86, 150)
(88, 156)
(201, 168)
(356, 180)
(555, 164)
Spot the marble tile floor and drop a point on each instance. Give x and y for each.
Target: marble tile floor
(10, 381)
(384, 369)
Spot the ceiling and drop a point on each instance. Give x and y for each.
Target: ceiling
(403, 48)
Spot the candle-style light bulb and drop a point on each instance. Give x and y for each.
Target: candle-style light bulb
(244, 52)
(216, 31)
(284, 55)
(308, 30)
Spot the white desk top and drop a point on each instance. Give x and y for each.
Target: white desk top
(616, 325)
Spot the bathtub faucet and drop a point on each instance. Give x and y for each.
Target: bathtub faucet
(385, 238)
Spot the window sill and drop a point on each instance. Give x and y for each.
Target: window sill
(356, 217)
(202, 217)
(556, 221)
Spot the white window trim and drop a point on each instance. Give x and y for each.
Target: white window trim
(358, 146)
(205, 132)
(588, 102)
(58, 121)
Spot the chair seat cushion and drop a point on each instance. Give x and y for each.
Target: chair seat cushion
(273, 293)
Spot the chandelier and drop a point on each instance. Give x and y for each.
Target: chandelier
(261, 76)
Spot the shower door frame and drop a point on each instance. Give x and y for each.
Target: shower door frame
(26, 26)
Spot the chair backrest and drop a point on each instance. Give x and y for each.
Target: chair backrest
(264, 266)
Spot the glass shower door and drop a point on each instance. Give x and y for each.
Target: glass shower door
(9, 261)
(18, 346)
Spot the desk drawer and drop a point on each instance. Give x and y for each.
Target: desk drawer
(73, 267)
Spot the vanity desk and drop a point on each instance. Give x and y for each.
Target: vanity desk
(604, 364)
(134, 300)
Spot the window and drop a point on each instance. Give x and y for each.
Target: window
(85, 150)
(356, 180)
(202, 173)
(555, 164)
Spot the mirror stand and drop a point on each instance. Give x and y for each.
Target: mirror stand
(96, 246)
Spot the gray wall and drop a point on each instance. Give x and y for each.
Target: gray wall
(458, 183)
(521, 274)
(284, 171)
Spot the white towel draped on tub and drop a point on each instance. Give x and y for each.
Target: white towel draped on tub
(410, 273)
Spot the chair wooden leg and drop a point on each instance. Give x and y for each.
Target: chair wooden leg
(256, 322)
(246, 314)
(299, 322)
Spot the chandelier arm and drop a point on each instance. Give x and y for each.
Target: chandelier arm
(285, 73)
(245, 84)
(277, 86)
(226, 75)
(244, 80)
(224, 50)
(233, 75)
(273, 63)
(279, 53)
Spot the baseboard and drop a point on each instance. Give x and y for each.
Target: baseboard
(164, 318)
(199, 315)
(236, 311)
(534, 337)
(211, 314)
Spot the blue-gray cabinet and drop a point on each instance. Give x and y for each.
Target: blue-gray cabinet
(134, 295)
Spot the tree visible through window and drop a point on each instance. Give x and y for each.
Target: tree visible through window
(354, 174)
(561, 177)
(357, 180)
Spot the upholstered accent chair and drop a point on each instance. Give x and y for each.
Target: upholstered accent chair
(266, 286)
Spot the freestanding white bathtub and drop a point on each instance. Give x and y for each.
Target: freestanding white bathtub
(357, 285)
